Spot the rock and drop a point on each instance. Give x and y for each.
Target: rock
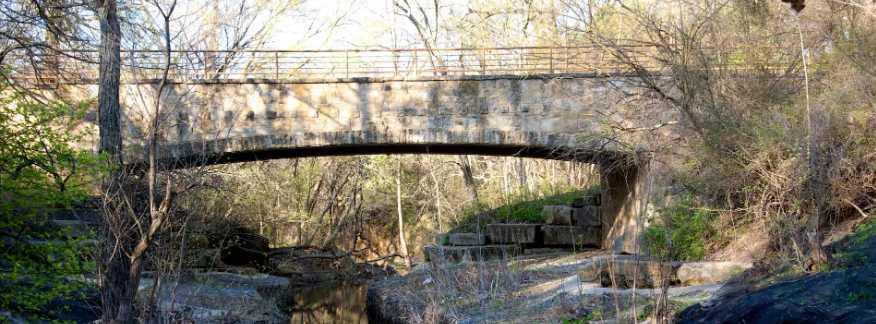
(623, 270)
(385, 304)
(587, 216)
(588, 200)
(467, 239)
(545, 251)
(442, 239)
(218, 297)
(512, 233)
(469, 253)
(642, 274)
(847, 295)
(557, 215)
(242, 248)
(844, 296)
(311, 265)
(554, 235)
(700, 273)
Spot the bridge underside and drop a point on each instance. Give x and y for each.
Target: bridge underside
(193, 158)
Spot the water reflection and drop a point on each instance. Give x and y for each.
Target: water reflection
(336, 303)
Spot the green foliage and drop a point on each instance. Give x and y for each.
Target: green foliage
(40, 171)
(520, 210)
(864, 232)
(685, 233)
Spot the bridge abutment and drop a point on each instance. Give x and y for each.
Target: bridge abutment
(626, 195)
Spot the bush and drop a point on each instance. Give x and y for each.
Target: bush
(40, 172)
(521, 210)
(684, 234)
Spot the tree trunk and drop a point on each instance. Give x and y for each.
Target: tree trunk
(108, 90)
(114, 284)
(817, 186)
(468, 177)
(401, 220)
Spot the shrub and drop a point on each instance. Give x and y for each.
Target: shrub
(40, 171)
(684, 233)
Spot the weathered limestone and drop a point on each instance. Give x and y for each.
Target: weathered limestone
(512, 233)
(587, 216)
(466, 239)
(557, 215)
(217, 297)
(435, 253)
(554, 235)
(700, 273)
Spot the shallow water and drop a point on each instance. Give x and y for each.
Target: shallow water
(334, 303)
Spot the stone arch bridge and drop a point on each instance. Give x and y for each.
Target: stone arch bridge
(559, 103)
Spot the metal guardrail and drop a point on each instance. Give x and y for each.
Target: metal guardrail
(278, 65)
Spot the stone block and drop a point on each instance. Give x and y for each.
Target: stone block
(442, 239)
(625, 274)
(435, 253)
(626, 271)
(703, 273)
(588, 200)
(512, 233)
(466, 239)
(557, 215)
(587, 216)
(558, 235)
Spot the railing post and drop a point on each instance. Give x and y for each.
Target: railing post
(551, 59)
(206, 64)
(484, 61)
(395, 62)
(347, 63)
(276, 65)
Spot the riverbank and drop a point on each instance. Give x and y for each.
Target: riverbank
(543, 288)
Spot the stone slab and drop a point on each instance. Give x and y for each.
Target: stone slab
(557, 215)
(704, 273)
(454, 254)
(587, 216)
(558, 235)
(512, 233)
(466, 239)
(627, 271)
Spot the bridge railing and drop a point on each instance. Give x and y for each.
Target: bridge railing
(333, 64)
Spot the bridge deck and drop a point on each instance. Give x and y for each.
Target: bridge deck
(302, 65)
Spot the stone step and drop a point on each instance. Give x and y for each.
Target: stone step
(437, 253)
(466, 239)
(512, 233)
(559, 235)
(557, 215)
(587, 216)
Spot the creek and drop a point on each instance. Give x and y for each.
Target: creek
(339, 302)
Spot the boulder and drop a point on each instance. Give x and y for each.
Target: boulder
(557, 215)
(587, 216)
(218, 297)
(466, 239)
(241, 248)
(305, 265)
(642, 274)
(556, 235)
(700, 273)
(455, 254)
(625, 271)
(512, 233)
